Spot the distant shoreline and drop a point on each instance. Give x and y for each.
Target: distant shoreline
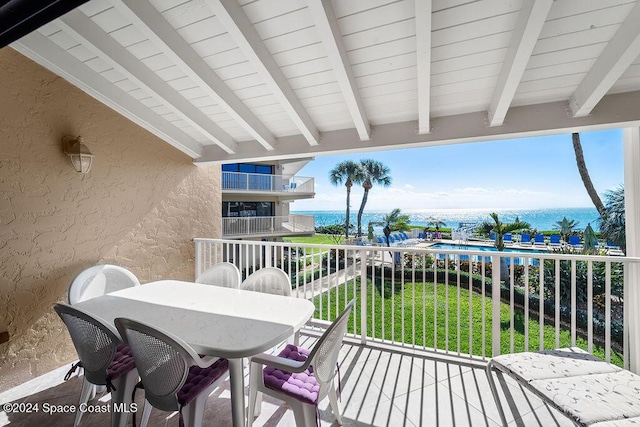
(542, 219)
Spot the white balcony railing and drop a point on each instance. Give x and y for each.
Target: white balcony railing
(266, 225)
(238, 181)
(426, 299)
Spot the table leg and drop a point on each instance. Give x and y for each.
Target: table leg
(236, 375)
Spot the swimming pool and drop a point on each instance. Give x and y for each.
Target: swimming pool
(480, 248)
(465, 247)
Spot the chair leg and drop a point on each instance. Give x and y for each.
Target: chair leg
(304, 413)
(146, 413)
(121, 398)
(255, 398)
(193, 413)
(87, 387)
(494, 391)
(333, 399)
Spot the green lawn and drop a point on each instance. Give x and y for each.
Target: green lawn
(320, 239)
(419, 322)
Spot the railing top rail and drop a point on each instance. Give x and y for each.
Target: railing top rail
(260, 217)
(413, 249)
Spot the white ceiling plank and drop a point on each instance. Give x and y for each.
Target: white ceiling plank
(149, 21)
(620, 52)
(423, 54)
(48, 54)
(81, 27)
(614, 111)
(525, 35)
(233, 18)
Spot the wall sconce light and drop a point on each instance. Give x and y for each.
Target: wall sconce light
(80, 156)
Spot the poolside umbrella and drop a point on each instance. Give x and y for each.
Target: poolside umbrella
(590, 239)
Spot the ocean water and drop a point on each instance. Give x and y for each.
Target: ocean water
(540, 219)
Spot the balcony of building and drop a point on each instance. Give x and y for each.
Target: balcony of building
(267, 226)
(282, 186)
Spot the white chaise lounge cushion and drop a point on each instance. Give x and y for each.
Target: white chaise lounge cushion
(588, 390)
(563, 362)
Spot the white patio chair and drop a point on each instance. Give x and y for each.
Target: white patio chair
(300, 377)
(174, 376)
(94, 282)
(223, 274)
(100, 280)
(106, 361)
(269, 280)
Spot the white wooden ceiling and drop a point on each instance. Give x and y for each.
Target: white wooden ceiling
(231, 80)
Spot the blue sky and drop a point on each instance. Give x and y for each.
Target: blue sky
(525, 173)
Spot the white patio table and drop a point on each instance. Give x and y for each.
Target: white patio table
(215, 321)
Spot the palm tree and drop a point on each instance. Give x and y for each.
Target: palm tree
(584, 174)
(395, 221)
(502, 228)
(349, 173)
(612, 223)
(565, 227)
(374, 173)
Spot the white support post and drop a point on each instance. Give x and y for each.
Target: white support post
(495, 305)
(631, 138)
(363, 295)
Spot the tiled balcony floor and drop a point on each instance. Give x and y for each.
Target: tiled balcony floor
(380, 388)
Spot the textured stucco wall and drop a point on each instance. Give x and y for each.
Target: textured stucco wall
(139, 207)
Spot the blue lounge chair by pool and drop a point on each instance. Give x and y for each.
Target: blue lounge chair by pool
(380, 240)
(525, 239)
(574, 241)
(507, 238)
(404, 235)
(422, 235)
(538, 239)
(492, 236)
(554, 240)
(611, 245)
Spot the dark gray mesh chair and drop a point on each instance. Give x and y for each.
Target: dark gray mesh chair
(105, 360)
(174, 376)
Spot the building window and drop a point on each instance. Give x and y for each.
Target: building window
(247, 209)
(248, 168)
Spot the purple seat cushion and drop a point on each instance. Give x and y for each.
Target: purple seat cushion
(302, 386)
(122, 362)
(199, 379)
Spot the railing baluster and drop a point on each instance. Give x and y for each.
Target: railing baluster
(590, 306)
(458, 311)
(435, 301)
(512, 313)
(363, 297)
(526, 305)
(607, 311)
(573, 302)
(557, 302)
(446, 303)
(541, 305)
(413, 301)
(484, 311)
(470, 306)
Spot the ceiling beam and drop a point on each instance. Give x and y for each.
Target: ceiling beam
(151, 23)
(242, 31)
(40, 49)
(531, 18)
(326, 23)
(423, 53)
(79, 26)
(616, 57)
(614, 111)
